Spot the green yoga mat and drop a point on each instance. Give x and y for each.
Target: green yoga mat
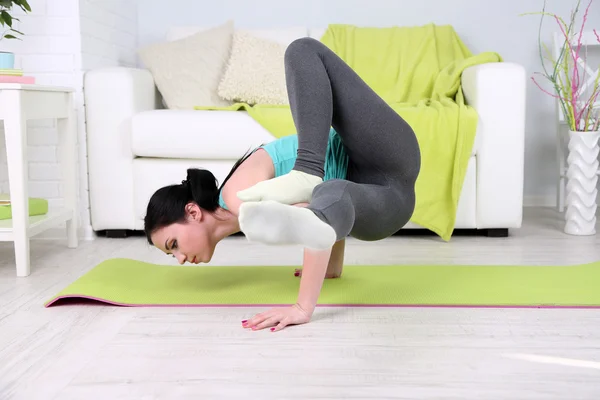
(127, 282)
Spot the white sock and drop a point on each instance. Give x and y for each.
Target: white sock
(291, 188)
(271, 222)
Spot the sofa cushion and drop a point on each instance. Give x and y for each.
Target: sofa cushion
(255, 72)
(196, 134)
(188, 71)
(200, 134)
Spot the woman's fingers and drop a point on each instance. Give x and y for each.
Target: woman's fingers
(267, 323)
(277, 319)
(282, 324)
(257, 319)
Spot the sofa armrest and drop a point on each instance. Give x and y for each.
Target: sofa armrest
(112, 97)
(497, 91)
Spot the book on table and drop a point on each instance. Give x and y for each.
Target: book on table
(15, 75)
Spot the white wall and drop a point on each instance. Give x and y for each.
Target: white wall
(63, 39)
(484, 26)
(108, 33)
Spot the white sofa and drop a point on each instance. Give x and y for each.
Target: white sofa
(136, 146)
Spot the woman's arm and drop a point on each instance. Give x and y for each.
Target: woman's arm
(314, 269)
(336, 260)
(312, 275)
(317, 265)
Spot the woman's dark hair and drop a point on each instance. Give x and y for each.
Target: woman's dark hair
(167, 204)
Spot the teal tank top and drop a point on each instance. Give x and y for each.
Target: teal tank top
(283, 152)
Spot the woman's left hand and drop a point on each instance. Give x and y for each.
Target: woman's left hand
(278, 318)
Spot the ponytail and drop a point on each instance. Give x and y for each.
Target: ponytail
(202, 187)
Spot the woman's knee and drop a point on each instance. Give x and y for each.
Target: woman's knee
(330, 191)
(332, 204)
(301, 47)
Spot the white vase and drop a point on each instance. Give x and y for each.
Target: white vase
(582, 178)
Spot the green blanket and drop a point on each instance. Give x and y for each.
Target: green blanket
(417, 70)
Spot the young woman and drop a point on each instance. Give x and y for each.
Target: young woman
(350, 170)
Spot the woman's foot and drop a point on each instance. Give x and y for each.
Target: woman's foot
(293, 187)
(271, 222)
(328, 274)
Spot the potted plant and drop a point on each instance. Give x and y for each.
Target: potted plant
(577, 97)
(7, 59)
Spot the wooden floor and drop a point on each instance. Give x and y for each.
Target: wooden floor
(103, 352)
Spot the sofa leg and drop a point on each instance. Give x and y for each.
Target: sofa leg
(116, 233)
(498, 232)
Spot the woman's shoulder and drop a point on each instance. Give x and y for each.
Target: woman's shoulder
(256, 168)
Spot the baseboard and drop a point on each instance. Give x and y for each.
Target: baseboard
(539, 201)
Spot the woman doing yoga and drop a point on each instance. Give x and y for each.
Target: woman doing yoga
(349, 171)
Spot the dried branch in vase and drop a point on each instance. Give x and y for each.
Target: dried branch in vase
(578, 102)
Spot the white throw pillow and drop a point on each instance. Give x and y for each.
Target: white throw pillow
(187, 72)
(255, 73)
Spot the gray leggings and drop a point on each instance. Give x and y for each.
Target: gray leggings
(378, 196)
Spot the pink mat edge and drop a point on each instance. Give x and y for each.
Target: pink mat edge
(55, 300)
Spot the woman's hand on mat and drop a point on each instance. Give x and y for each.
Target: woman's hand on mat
(278, 318)
(315, 266)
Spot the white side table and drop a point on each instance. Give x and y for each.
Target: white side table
(19, 103)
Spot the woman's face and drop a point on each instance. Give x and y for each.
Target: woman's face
(191, 241)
